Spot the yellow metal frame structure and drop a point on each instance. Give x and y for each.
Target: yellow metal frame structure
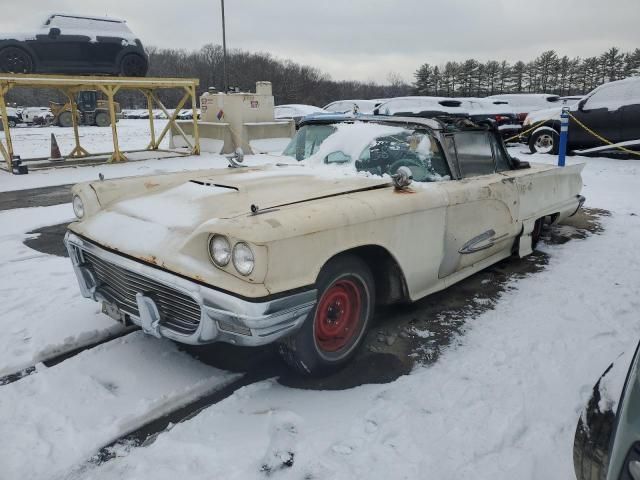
(70, 85)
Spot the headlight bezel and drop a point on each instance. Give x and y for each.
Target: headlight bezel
(236, 249)
(78, 207)
(212, 257)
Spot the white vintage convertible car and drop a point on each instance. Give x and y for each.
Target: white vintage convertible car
(356, 213)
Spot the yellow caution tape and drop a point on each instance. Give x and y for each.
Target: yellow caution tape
(601, 138)
(515, 137)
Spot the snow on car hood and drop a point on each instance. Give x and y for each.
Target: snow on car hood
(161, 219)
(542, 115)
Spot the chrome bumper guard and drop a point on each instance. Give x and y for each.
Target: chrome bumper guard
(223, 316)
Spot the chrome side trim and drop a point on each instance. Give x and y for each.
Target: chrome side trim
(224, 317)
(475, 244)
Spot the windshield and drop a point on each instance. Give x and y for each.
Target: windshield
(371, 147)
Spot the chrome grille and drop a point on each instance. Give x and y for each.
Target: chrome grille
(178, 311)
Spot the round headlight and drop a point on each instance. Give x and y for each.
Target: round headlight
(78, 206)
(219, 250)
(243, 258)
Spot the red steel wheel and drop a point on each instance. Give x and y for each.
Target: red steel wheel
(334, 329)
(337, 315)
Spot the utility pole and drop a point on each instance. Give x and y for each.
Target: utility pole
(224, 51)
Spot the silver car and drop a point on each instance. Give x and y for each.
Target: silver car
(607, 441)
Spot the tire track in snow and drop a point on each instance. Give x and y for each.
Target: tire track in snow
(60, 357)
(66, 413)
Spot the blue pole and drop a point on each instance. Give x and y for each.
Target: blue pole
(564, 133)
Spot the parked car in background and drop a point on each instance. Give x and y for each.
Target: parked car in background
(43, 118)
(525, 103)
(75, 44)
(353, 106)
(295, 112)
(607, 439)
(475, 109)
(184, 114)
(612, 111)
(570, 100)
(35, 115)
(300, 252)
(13, 118)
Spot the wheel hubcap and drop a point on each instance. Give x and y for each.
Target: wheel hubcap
(15, 62)
(338, 315)
(544, 143)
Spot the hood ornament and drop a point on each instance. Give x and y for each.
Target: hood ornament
(236, 158)
(403, 178)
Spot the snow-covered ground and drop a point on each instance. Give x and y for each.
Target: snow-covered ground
(502, 402)
(33, 142)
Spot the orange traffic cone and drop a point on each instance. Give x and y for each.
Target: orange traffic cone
(55, 150)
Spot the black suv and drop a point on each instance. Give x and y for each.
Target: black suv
(75, 44)
(612, 111)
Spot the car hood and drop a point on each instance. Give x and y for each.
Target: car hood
(542, 115)
(163, 215)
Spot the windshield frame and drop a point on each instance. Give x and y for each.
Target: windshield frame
(424, 127)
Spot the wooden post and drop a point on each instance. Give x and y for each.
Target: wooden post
(152, 145)
(78, 151)
(172, 119)
(7, 152)
(110, 91)
(196, 133)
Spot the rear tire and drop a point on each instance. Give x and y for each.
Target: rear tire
(103, 119)
(536, 234)
(15, 60)
(133, 65)
(65, 119)
(335, 328)
(544, 141)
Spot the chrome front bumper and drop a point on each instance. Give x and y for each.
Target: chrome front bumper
(223, 316)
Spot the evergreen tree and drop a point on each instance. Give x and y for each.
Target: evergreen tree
(424, 80)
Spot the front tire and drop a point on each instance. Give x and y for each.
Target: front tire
(103, 119)
(65, 119)
(335, 328)
(15, 60)
(544, 141)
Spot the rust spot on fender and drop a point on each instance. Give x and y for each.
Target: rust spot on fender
(149, 185)
(151, 259)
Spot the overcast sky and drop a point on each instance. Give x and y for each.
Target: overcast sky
(365, 39)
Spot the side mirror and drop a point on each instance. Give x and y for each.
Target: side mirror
(403, 178)
(337, 157)
(236, 158)
(54, 32)
(581, 104)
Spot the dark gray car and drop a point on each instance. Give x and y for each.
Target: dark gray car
(74, 44)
